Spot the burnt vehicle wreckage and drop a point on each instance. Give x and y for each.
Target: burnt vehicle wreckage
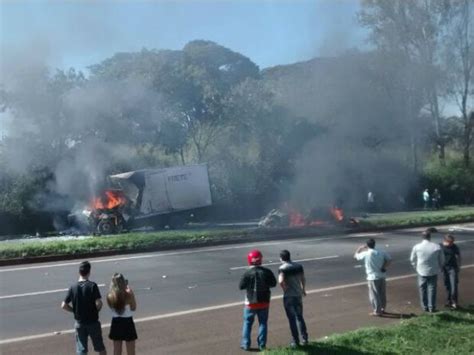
(157, 198)
(322, 216)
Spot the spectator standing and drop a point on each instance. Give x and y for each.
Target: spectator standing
(436, 199)
(452, 266)
(84, 300)
(426, 199)
(257, 281)
(428, 259)
(122, 303)
(376, 262)
(292, 281)
(371, 201)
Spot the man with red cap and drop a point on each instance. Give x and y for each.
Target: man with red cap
(257, 281)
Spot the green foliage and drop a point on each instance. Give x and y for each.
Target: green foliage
(442, 333)
(17, 191)
(454, 180)
(207, 103)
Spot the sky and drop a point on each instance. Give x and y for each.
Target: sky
(79, 33)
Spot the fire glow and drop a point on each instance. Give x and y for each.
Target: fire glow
(110, 199)
(297, 219)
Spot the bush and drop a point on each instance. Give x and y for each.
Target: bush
(454, 180)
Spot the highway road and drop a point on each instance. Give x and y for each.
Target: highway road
(184, 281)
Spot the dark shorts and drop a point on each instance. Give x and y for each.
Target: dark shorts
(122, 329)
(92, 330)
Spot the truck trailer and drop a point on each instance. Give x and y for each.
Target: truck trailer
(158, 198)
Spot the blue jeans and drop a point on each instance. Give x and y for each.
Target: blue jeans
(83, 331)
(428, 285)
(451, 282)
(249, 317)
(294, 312)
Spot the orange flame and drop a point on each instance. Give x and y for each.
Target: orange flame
(109, 199)
(297, 219)
(337, 213)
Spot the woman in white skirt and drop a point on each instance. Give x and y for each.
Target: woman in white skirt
(121, 301)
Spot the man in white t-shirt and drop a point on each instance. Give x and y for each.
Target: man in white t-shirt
(426, 199)
(376, 262)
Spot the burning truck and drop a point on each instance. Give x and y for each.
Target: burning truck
(156, 198)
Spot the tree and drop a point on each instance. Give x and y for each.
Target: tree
(415, 31)
(459, 64)
(192, 84)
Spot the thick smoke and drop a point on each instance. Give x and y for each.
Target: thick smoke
(79, 130)
(361, 147)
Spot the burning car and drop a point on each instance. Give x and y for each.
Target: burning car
(290, 217)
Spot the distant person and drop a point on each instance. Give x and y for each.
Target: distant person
(371, 201)
(376, 262)
(452, 266)
(84, 300)
(426, 199)
(292, 281)
(121, 301)
(436, 199)
(401, 202)
(257, 281)
(428, 259)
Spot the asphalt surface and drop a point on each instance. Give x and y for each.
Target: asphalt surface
(187, 280)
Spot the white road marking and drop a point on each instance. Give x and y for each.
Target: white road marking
(204, 309)
(458, 228)
(37, 293)
(298, 261)
(159, 254)
(464, 241)
(359, 235)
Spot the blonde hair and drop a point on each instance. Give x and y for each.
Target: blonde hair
(117, 296)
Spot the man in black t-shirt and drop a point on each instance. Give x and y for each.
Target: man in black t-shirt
(256, 281)
(451, 269)
(84, 300)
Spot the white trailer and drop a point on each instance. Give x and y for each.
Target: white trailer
(167, 196)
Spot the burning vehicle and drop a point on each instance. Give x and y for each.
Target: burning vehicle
(290, 217)
(156, 198)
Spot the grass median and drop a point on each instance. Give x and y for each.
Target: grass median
(122, 242)
(451, 214)
(440, 333)
(134, 241)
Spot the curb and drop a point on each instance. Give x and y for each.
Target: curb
(265, 235)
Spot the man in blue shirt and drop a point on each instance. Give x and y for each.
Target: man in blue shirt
(376, 262)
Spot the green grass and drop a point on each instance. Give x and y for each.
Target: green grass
(453, 214)
(154, 240)
(442, 333)
(121, 242)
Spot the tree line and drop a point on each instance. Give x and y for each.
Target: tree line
(391, 118)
